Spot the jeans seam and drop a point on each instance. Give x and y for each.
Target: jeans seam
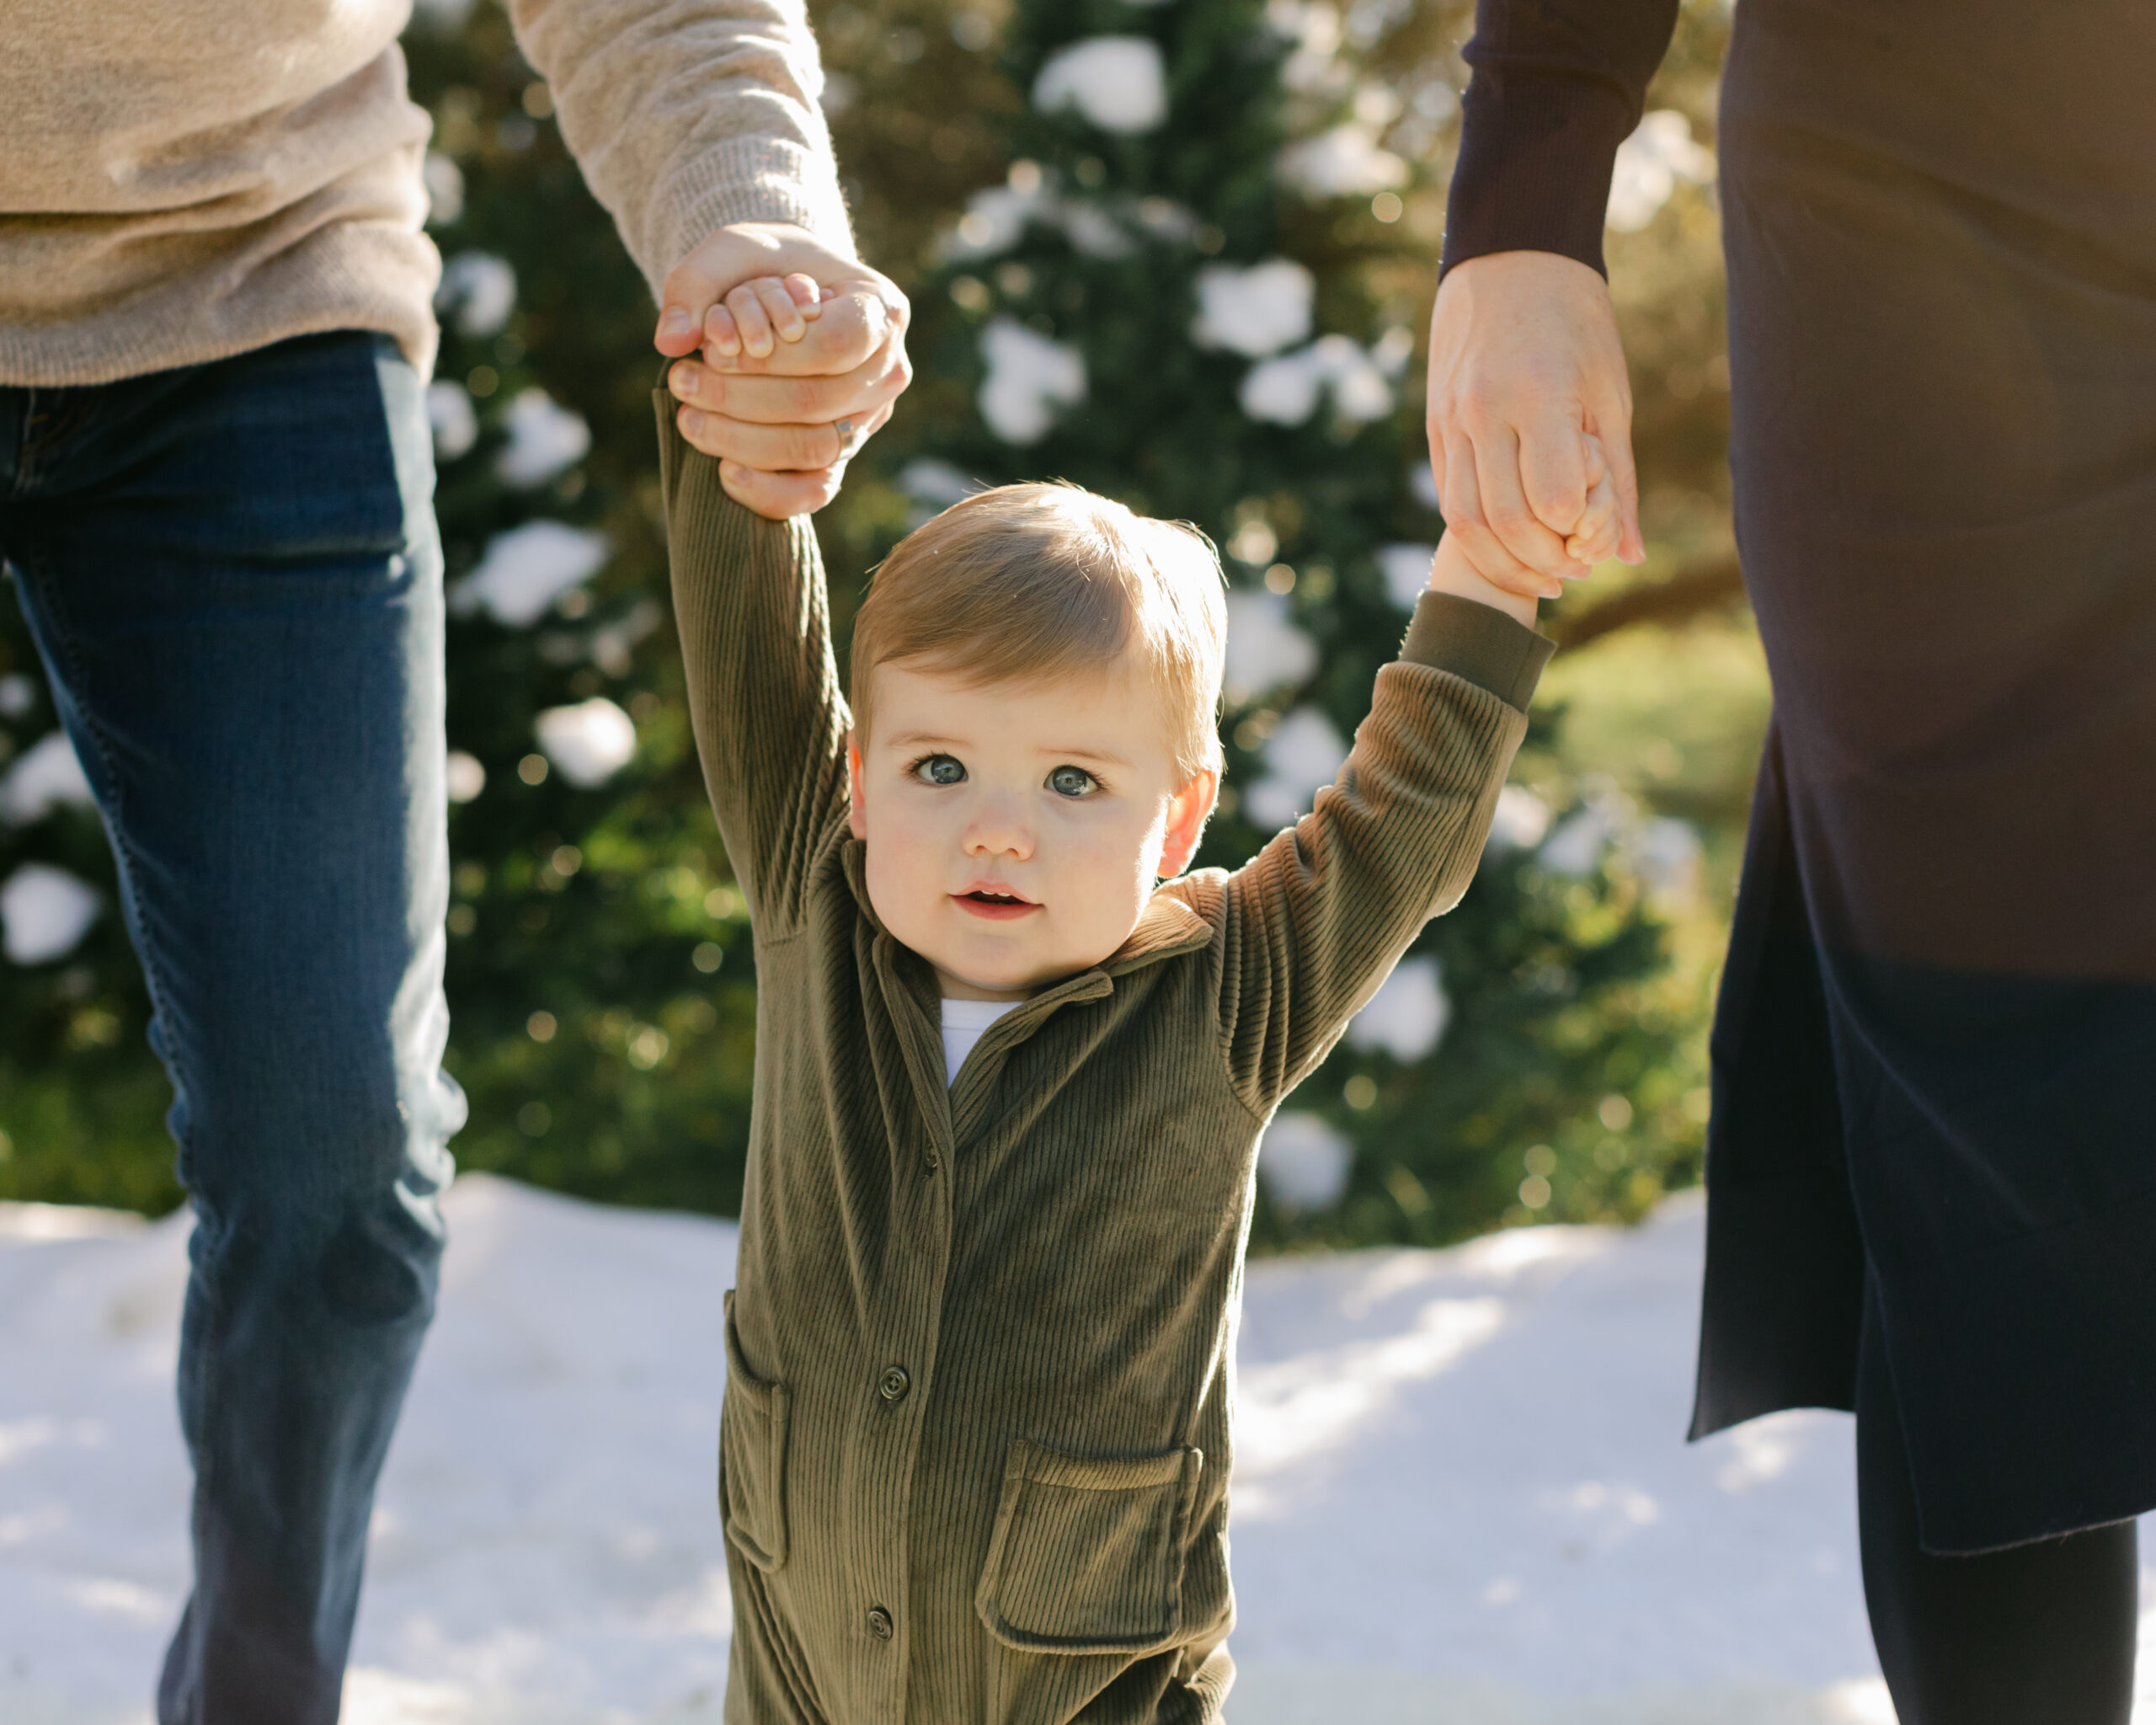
(31, 564)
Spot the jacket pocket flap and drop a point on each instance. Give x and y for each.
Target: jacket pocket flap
(1087, 1555)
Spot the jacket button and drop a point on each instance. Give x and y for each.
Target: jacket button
(880, 1625)
(931, 1161)
(894, 1383)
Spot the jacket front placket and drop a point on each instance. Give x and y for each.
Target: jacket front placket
(900, 1375)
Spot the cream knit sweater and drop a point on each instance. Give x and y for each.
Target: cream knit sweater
(182, 180)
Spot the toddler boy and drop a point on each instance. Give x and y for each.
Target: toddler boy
(974, 1449)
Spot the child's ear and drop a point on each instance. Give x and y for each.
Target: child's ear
(856, 797)
(1188, 813)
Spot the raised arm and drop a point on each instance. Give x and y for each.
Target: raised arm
(1318, 918)
(1523, 350)
(764, 700)
(697, 124)
(690, 115)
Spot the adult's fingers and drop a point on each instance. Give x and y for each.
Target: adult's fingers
(779, 496)
(1499, 483)
(1552, 473)
(767, 400)
(1609, 417)
(778, 448)
(1466, 522)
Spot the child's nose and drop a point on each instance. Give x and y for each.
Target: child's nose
(999, 828)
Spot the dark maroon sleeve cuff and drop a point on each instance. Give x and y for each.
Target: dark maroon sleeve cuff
(1557, 86)
(1535, 158)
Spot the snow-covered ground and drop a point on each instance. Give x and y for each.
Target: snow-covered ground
(1461, 1497)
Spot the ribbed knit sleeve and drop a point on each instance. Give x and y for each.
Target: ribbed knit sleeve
(763, 697)
(688, 115)
(1558, 85)
(1318, 918)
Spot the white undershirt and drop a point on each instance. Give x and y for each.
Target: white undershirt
(964, 1022)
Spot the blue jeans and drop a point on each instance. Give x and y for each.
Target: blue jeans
(234, 579)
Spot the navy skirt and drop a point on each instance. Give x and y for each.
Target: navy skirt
(1936, 1050)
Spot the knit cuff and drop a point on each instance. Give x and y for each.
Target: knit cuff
(1535, 158)
(1478, 643)
(751, 179)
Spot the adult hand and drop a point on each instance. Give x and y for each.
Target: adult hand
(1524, 365)
(773, 417)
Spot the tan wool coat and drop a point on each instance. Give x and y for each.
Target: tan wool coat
(975, 1444)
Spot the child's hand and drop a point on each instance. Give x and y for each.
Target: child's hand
(1450, 572)
(1593, 537)
(756, 311)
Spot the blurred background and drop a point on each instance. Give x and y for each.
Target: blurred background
(1182, 254)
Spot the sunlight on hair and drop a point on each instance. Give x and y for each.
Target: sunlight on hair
(1040, 581)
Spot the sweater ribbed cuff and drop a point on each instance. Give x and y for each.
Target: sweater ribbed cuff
(1479, 644)
(1535, 158)
(750, 179)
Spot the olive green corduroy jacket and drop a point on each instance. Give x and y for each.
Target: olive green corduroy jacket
(974, 1450)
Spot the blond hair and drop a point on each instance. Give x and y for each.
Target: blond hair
(1046, 581)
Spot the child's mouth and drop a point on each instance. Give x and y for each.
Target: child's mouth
(996, 907)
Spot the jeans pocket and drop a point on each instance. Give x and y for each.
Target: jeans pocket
(1087, 1556)
(752, 1432)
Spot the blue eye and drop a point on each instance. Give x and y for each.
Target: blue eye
(940, 770)
(1072, 781)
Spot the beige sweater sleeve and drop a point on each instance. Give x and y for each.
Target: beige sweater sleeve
(688, 115)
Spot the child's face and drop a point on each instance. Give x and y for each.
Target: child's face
(1015, 833)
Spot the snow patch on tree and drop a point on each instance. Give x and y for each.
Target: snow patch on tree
(1030, 376)
(479, 290)
(527, 569)
(1255, 309)
(1304, 754)
(454, 421)
(46, 776)
(1285, 390)
(1303, 1161)
(1406, 571)
(1118, 83)
(46, 912)
(1407, 1016)
(1347, 160)
(928, 480)
(1265, 650)
(587, 743)
(544, 438)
